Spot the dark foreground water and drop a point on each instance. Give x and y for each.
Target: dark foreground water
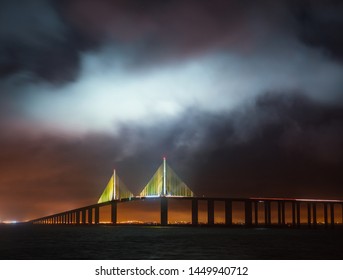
(138, 242)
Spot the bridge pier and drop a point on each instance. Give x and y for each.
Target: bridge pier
(228, 212)
(309, 214)
(279, 214)
(332, 212)
(164, 211)
(77, 217)
(283, 208)
(210, 212)
(293, 214)
(248, 212)
(83, 216)
(326, 214)
(114, 212)
(96, 215)
(256, 212)
(90, 215)
(267, 213)
(298, 214)
(314, 214)
(195, 212)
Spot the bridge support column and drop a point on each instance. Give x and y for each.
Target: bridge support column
(293, 214)
(283, 211)
(195, 210)
(77, 217)
(309, 214)
(248, 212)
(114, 212)
(164, 211)
(314, 213)
(210, 211)
(228, 212)
(279, 214)
(96, 215)
(332, 213)
(83, 216)
(298, 214)
(90, 215)
(267, 213)
(326, 214)
(256, 212)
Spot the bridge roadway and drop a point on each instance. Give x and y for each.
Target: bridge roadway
(84, 215)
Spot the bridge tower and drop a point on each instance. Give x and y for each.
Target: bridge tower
(165, 183)
(115, 190)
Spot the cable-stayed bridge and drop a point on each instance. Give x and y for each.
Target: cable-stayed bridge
(165, 186)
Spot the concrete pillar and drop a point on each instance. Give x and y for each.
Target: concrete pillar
(326, 214)
(248, 212)
(210, 211)
(309, 214)
(90, 215)
(267, 213)
(164, 211)
(256, 212)
(83, 216)
(293, 214)
(283, 211)
(314, 212)
(195, 211)
(298, 214)
(332, 213)
(228, 212)
(279, 214)
(77, 217)
(114, 212)
(96, 215)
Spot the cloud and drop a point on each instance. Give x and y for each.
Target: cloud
(109, 93)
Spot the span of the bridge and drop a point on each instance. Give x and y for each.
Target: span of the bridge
(165, 186)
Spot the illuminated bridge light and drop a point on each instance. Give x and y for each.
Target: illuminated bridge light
(165, 182)
(114, 190)
(262, 199)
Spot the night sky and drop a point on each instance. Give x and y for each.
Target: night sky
(245, 98)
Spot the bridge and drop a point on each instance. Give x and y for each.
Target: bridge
(165, 187)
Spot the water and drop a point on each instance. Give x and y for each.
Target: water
(22, 242)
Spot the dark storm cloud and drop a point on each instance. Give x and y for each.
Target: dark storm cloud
(45, 38)
(35, 40)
